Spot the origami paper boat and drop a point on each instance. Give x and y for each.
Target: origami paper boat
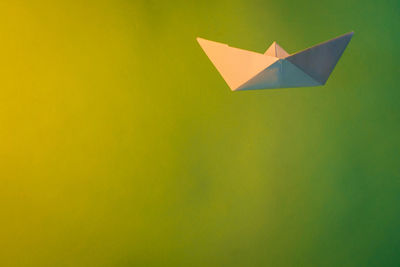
(247, 70)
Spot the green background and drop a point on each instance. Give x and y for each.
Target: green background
(121, 145)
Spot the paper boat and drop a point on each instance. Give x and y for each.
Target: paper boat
(247, 70)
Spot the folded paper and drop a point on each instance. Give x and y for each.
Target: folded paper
(247, 70)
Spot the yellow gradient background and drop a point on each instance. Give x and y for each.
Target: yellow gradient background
(120, 144)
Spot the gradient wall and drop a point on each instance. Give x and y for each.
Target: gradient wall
(120, 144)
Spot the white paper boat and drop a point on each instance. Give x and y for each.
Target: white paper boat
(247, 70)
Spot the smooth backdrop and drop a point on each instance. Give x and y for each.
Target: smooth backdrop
(120, 144)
